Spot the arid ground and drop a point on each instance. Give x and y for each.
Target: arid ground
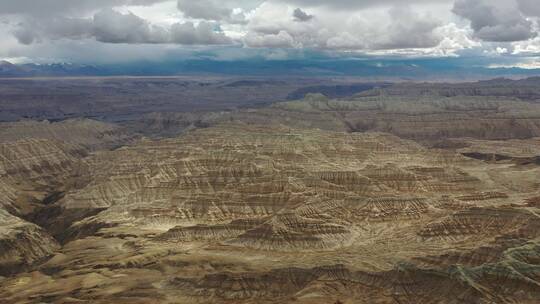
(266, 191)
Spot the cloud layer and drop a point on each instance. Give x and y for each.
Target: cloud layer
(391, 27)
(110, 26)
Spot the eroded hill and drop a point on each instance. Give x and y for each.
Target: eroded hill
(429, 119)
(279, 206)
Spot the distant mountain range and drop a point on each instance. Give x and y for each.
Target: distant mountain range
(406, 69)
(7, 69)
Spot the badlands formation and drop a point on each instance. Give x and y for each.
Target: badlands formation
(371, 199)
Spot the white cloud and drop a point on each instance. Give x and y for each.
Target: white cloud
(454, 39)
(280, 40)
(530, 47)
(527, 64)
(396, 27)
(408, 29)
(345, 41)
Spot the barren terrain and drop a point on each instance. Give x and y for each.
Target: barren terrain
(399, 194)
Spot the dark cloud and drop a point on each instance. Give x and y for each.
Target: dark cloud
(25, 35)
(301, 16)
(113, 27)
(529, 7)
(45, 8)
(110, 26)
(355, 4)
(495, 20)
(35, 30)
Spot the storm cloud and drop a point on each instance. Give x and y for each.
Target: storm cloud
(46, 8)
(110, 26)
(497, 20)
(301, 16)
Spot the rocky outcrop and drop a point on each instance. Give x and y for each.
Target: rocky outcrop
(290, 232)
(211, 232)
(22, 244)
(39, 163)
(468, 223)
(405, 284)
(388, 209)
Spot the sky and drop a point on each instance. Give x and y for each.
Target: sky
(504, 33)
